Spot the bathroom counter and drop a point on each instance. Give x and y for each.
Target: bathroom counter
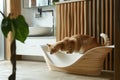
(32, 45)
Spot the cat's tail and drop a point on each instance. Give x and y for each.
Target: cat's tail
(106, 39)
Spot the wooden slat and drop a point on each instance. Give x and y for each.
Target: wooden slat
(90, 18)
(65, 19)
(82, 17)
(80, 23)
(78, 17)
(106, 28)
(102, 17)
(68, 18)
(98, 21)
(62, 21)
(74, 18)
(58, 23)
(86, 18)
(93, 16)
(106, 16)
(111, 32)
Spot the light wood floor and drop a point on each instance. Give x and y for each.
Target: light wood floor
(34, 70)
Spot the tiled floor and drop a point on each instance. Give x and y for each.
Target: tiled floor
(29, 70)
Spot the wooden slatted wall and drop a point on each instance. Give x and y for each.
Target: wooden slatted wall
(70, 19)
(90, 17)
(100, 19)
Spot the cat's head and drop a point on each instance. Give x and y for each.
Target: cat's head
(52, 48)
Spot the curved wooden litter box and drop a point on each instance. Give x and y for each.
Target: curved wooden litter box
(88, 63)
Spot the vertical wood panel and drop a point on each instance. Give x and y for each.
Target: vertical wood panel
(78, 17)
(102, 16)
(98, 31)
(75, 18)
(15, 9)
(111, 32)
(72, 19)
(106, 28)
(58, 22)
(117, 39)
(68, 20)
(90, 18)
(82, 17)
(85, 18)
(93, 16)
(66, 8)
(62, 21)
(65, 19)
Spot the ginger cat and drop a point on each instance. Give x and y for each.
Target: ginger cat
(77, 43)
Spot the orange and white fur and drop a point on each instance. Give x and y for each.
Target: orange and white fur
(77, 43)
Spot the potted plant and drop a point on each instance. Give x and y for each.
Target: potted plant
(19, 29)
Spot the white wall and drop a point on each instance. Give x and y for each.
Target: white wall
(45, 21)
(1, 35)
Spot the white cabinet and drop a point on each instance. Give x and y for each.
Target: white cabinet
(32, 45)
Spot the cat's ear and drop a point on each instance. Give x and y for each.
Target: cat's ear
(49, 45)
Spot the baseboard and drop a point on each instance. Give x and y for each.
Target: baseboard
(33, 58)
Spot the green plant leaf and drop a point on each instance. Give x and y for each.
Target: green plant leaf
(21, 28)
(6, 26)
(2, 14)
(18, 26)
